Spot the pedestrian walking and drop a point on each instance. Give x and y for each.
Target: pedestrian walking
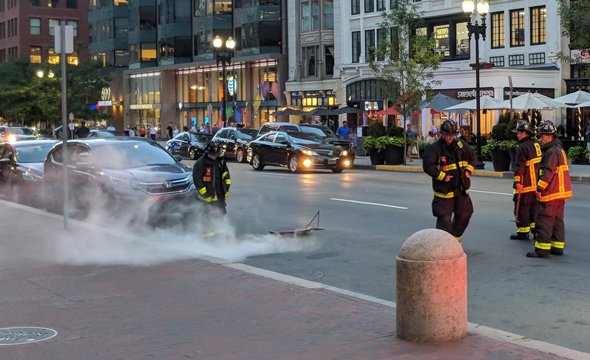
(82, 131)
(343, 131)
(170, 129)
(212, 180)
(553, 188)
(450, 162)
(153, 132)
(526, 168)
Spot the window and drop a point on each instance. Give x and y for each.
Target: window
(441, 38)
(2, 29)
(315, 15)
(537, 58)
(72, 4)
(355, 7)
(53, 3)
(310, 61)
(497, 30)
(462, 39)
(35, 26)
(498, 61)
(369, 6)
(35, 55)
(517, 27)
(380, 5)
(52, 57)
(35, 2)
(369, 45)
(73, 59)
(329, 60)
(74, 25)
(538, 25)
(394, 33)
(52, 25)
(305, 17)
(310, 16)
(328, 9)
(381, 38)
(516, 60)
(148, 52)
(356, 46)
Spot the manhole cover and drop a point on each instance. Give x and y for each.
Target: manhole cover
(25, 335)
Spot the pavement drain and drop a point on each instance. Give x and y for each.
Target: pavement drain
(25, 335)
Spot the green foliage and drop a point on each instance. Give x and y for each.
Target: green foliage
(378, 144)
(408, 60)
(499, 131)
(495, 144)
(510, 134)
(577, 153)
(397, 141)
(395, 131)
(575, 22)
(376, 129)
(370, 144)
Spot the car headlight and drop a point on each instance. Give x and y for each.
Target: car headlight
(309, 152)
(29, 176)
(11, 138)
(344, 153)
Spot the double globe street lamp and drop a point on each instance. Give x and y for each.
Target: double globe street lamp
(479, 30)
(224, 51)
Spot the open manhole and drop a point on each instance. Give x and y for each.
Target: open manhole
(25, 335)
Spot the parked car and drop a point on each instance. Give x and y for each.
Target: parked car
(21, 170)
(120, 176)
(234, 142)
(319, 130)
(17, 133)
(297, 151)
(98, 133)
(188, 144)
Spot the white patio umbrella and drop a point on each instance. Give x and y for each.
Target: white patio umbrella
(584, 104)
(531, 101)
(485, 103)
(577, 97)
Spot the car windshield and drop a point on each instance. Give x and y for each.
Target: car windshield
(20, 131)
(302, 138)
(323, 132)
(247, 134)
(130, 154)
(32, 153)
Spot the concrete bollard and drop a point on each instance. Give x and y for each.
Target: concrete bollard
(431, 273)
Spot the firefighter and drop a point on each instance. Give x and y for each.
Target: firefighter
(450, 162)
(528, 159)
(553, 188)
(211, 178)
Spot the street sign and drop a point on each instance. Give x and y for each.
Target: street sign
(69, 39)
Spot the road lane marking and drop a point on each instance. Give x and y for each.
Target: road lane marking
(490, 192)
(370, 203)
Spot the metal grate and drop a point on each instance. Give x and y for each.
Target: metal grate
(25, 335)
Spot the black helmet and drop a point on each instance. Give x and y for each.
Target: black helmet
(523, 125)
(448, 127)
(212, 147)
(547, 127)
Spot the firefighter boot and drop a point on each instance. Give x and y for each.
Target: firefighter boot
(534, 254)
(519, 236)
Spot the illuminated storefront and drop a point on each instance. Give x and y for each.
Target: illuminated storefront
(144, 99)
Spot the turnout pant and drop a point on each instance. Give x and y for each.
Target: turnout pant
(549, 227)
(453, 214)
(527, 210)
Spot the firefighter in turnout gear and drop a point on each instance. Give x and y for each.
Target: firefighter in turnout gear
(450, 162)
(211, 178)
(553, 188)
(527, 162)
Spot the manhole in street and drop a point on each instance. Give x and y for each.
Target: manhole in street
(25, 335)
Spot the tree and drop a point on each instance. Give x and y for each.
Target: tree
(409, 58)
(574, 24)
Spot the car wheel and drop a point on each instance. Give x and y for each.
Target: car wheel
(257, 163)
(337, 169)
(294, 164)
(240, 156)
(193, 154)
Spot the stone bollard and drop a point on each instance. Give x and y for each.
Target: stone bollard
(431, 273)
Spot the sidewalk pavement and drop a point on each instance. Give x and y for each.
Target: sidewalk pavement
(578, 173)
(201, 309)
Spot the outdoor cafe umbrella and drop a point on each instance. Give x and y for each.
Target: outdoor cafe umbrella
(486, 103)
(390, 111)
(289, 111)
(349, 110)
(320, 112)
(531, 101)
(577, 97)
(440, 102)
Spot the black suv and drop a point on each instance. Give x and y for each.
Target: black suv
(319, 130)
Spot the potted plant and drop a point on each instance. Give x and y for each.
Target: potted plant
(375, 148)
(500, 155)
(578, 155)
(394, 150)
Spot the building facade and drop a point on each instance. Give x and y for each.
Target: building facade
(27, 29)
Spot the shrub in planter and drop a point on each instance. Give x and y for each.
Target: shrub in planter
(394, 151)
(395, 131)
(375, 147)
(578, 155)
(376, 130)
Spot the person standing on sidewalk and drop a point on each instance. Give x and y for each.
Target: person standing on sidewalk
(553, 188)
(450, 162)
(343, 131)
(212, 180)
(527, 161)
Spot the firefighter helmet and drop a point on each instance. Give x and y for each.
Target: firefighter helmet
(212, 147)
(448, 127)
(547, 127)
(523, 125)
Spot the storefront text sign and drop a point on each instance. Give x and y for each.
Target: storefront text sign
(521, 91)
(468, 93)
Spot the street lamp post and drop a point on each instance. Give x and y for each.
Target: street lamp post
(223, 55)
(474, 28)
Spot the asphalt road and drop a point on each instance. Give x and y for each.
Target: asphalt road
(366, 216)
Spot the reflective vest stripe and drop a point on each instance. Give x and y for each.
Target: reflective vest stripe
(202, 190)
(556, 196)
(543, 246)
(542, 184)
(441, 176)
(444, 196)
(526, 229)
(557, 244)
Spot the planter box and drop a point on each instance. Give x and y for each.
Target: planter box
(394, 155)
(583, 161)
(377, 158)
(501, 160)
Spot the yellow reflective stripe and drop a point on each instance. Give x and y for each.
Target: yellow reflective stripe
(533, 161)
(533, 225)
(542, 184)
(458, 238)
(542, 246)
(441, 176)
(227, 194)
(224, 175)
(517, 179)
(444, 196)
(206, 199)
(526, 229)
(202, 190)
(556, 196)
(557, 244)
(460, 144)
(228, 181)
(529, 189)
(452, 167)
(538, 149)
(470, 168)
(540, 172)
